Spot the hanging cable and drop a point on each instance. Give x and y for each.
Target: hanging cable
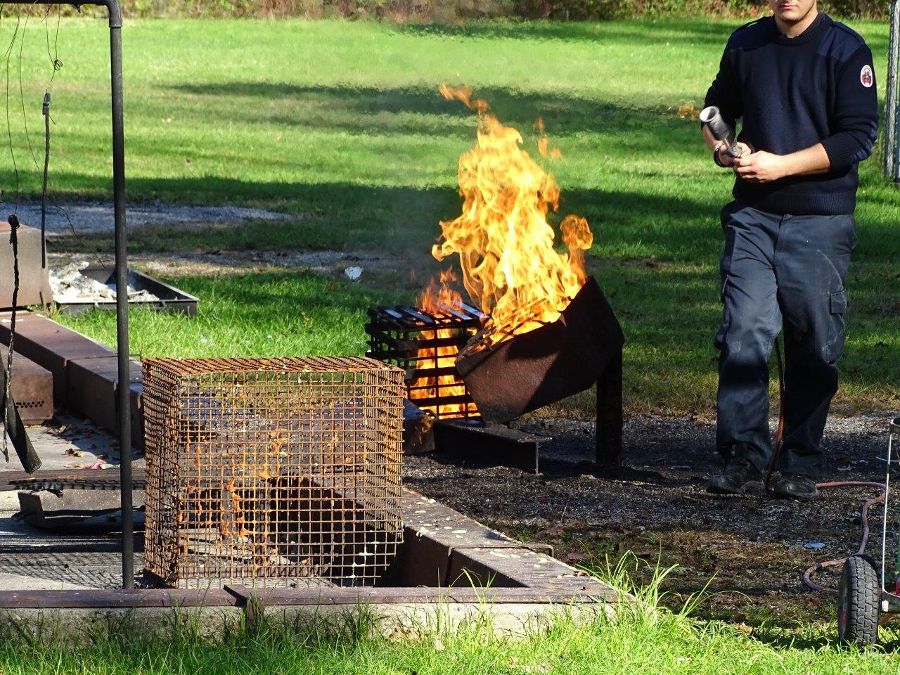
(22, 94)
(45, 109)
(864, 514)
(12, 154)
(14, 243)
(53, 53)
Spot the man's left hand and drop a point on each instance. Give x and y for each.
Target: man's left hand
(760, 167)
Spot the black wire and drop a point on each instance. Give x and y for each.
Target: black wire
(12, 153)
(22, 96)
(45, 110)
(54, 55)
(14, 242)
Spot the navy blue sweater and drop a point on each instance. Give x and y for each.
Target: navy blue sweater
(792, 93)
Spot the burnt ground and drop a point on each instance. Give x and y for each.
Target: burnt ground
(747, 552)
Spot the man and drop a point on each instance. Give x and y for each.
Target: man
(803, 87)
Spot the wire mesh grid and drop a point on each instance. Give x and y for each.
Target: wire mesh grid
(425, 345)
(266, 471)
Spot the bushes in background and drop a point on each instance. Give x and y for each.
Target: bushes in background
(453, 10)
(619, 9)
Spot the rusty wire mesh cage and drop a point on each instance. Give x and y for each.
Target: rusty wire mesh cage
(266, 472)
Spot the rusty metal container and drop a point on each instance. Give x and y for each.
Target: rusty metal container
(34, 278)
(31, 388)
(525, 372)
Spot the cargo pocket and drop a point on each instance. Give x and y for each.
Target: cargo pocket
(837, 308)
(719, 337)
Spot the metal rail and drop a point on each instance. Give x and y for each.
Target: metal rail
(118, 151)
(892, 104)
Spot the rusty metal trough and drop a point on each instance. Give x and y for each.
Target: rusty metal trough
(528, 371)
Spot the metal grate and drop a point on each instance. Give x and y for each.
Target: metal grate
(425, 344)
(262, 471)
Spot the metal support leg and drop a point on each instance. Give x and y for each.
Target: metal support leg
(609, 413)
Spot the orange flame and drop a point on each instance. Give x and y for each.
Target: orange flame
(436, 299)
(505, 244)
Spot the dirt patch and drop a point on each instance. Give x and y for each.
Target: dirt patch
(80, 218)
(355, 265)
(747, 552)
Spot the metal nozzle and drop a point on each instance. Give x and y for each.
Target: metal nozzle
(712, 118)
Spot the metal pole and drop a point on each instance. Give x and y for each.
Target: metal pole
(891, 131)
(124, 369)
(124, 381)
(892, 100)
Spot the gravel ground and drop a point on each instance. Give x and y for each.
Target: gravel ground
(94, 217)
(748, 552)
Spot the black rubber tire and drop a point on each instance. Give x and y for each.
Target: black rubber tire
(859, 596)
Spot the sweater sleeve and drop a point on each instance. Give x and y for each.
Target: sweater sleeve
(724, 92)
(855, 112)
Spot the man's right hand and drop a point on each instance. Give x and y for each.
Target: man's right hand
(726, 159)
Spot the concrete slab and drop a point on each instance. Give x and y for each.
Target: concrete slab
(91, 385)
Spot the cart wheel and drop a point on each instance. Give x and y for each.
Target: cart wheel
(858, 600)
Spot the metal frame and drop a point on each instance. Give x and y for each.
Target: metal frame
(413, 339)
(118, 155)
(890, 602)
(438, 541)
(892, 101)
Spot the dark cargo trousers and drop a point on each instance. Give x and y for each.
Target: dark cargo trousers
(780, 273)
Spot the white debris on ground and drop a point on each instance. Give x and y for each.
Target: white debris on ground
(76, 218)
(70, 286)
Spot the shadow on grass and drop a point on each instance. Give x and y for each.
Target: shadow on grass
(344, 215)
(652, 32)
(676, 285)
(353, 108)
(646, 32)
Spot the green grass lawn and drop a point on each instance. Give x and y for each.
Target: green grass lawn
(638, 638)
(341, 124)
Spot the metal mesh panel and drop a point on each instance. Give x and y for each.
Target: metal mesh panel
(262, 471)
(425, 344)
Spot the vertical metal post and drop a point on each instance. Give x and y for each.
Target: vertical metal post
(892, 104)
(609, 413)
(123, 390)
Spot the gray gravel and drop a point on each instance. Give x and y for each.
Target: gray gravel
(750, 549)
(95, 217)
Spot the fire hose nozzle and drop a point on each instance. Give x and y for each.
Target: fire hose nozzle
(711, 117)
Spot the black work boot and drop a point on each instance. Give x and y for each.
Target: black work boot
(795, 487)
(739, 475)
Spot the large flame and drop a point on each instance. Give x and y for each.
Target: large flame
(506, 248)
(436, 299)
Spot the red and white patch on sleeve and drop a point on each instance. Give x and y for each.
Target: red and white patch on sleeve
(866, 78)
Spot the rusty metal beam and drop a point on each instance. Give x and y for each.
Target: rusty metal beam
(491, 444)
